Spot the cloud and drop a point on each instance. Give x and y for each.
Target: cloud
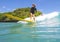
(3, 6)
(13, 9)
(8, 9)
(0, 10)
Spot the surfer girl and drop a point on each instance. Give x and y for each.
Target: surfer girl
(32, 12)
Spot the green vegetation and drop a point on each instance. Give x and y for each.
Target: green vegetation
(17, 14)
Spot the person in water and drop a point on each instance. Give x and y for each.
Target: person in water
(32, 12)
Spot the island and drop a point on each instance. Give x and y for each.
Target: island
(17, 15)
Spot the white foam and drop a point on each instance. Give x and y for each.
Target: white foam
(21, 22)
(43, 17)
(43, 31)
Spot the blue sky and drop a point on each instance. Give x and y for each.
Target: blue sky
(45, 6)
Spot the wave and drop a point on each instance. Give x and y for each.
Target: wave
(44, 17)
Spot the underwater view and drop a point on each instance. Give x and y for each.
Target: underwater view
(47, 30)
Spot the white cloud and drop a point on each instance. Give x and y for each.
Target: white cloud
(3, 6)
(0, 10)
(8, 9)
(14, 9)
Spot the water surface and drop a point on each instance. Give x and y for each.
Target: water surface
(42, 31)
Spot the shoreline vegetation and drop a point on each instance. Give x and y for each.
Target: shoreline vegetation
(17, 15)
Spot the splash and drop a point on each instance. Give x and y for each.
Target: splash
(43, 18)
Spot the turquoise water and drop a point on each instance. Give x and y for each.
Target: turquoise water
(46, 31)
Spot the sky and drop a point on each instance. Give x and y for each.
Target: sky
(45, 6)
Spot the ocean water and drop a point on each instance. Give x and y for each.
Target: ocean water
(41, 31)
